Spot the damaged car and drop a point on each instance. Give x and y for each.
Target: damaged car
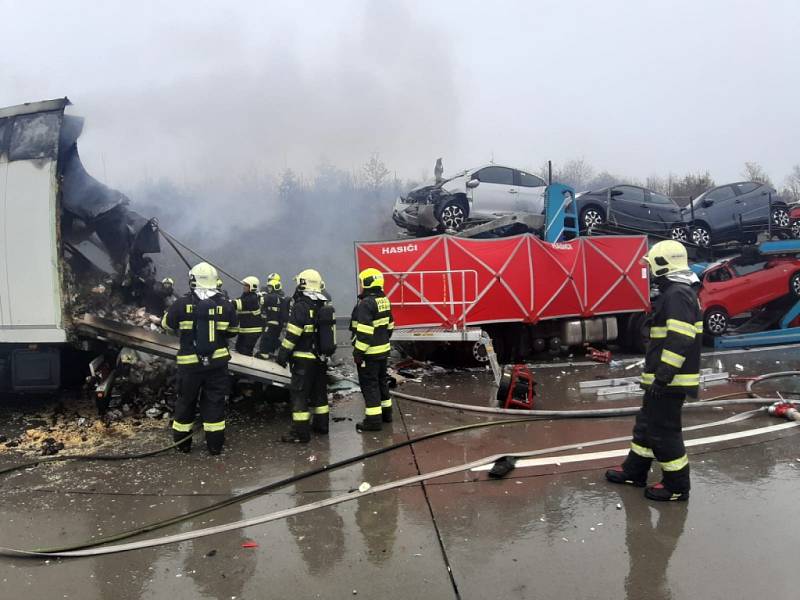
(471, 196)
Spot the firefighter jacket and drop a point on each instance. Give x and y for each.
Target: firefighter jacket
(203, 337)
(248, 309)
(276, 308)
(676, 338)
(372, 324)
(300, 340)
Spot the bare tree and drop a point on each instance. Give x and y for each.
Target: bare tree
(791, 192)
(692, 185)
(755, 172)
(375, 173)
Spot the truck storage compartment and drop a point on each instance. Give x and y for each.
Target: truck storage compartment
(35, 370)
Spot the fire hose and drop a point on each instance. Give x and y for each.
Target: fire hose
(89, 549)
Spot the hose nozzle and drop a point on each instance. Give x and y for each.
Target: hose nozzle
(785, 410)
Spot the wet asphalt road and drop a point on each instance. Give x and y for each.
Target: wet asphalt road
(546, 532)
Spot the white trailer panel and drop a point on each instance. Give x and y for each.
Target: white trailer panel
(30, 290)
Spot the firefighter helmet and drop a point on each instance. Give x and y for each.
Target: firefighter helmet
(309, 280)
(252, 283)
(370, 278)
(274, 281)
(203, 276)
(667, 256)
(168, 281)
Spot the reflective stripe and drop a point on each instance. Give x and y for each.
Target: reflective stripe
(232, 330)
(294, 329)
(378, 349)
(322, 410)
(238, 304)
(273, 323)
(164, 323)
(698, 327)
(218, 426)
(308, 328)
(251, 329)
(304, 355)
(658, 332)
(221, 353)
(391, 325)
(212, 332)
(675, 465)
(372, 411)
(680, 380)
(380, 322)
(687, 379)
(386, 403)
(642, 451)
(361, 346)
(189, 308)
(301, 416)
(248, 312)
(187, 359)
(287, 343)
(182, 427)
(223, 325)
(681, 327)
(368, 329)
(185, 324)
(672, 358)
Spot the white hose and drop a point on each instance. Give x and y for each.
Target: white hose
(766, 376)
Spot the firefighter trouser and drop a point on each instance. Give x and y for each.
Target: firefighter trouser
(657, 434)
(246, 343)
(374, 381)
(271, 339)
(309, 394)
(211, 387)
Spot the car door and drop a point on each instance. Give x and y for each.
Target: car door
(753, 206)
(531, 192)
(720, 211)
(663, 211)
(496, 192)
(627, 207)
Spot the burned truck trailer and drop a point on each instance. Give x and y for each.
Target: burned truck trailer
(56, 219)
(527, 294)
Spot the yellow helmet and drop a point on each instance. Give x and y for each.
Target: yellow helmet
(168, 281)
(252, 283)
(309, 280)
(203, 276)
(274, 281)
(667, 256)
(370, 278)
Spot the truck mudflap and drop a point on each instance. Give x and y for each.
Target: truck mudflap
(160, 344)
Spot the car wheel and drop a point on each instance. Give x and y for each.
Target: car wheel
(794, 285)
(780, 218)
(453, 216)
(679, 233)
(716, 321)
(591, 218)
(701, 236)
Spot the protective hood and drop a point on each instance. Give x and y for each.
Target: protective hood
(205, 294)
(687, 277)
(314, 295)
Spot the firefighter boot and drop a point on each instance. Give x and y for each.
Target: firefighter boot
(299, 433)
(370, 423)
(215, 440)
(186, 445)
(319, 423)
(674, 486)
(386, 410)
(618, 475)
(632, 472)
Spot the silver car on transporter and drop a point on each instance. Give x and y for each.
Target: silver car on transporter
(473, 195)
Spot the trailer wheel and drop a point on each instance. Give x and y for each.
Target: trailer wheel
(716, 321)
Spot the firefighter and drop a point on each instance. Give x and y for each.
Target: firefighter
(671, 372)
(276, 311)
(371, 326)
(203, 319)
(308, 387)
(160, 296)
(248, 310)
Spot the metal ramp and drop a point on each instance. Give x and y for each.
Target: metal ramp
(529, 221)
(159, 344)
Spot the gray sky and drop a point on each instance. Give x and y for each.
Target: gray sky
(210, 90)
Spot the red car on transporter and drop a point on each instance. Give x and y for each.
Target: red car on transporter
(745, 284)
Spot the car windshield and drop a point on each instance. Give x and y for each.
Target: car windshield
(699, 200)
